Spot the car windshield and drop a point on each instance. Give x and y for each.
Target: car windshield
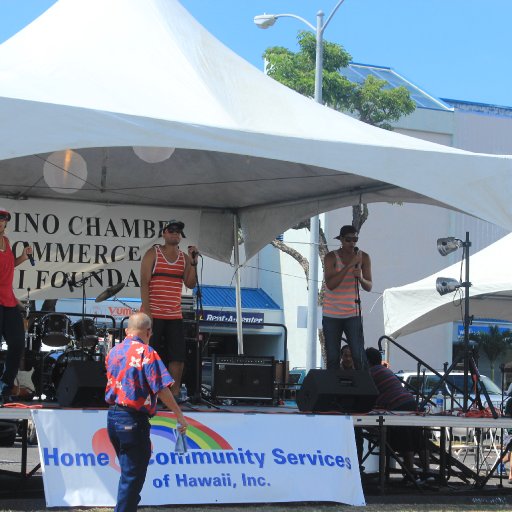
(455, 384)
(458, 380)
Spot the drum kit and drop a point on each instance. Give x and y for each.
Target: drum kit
(52, 340)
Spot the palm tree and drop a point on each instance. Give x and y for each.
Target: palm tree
(494, 343)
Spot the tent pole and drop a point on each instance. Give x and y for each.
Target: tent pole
(238, 289)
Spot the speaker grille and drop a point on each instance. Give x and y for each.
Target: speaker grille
(243, 377)
(82, 385)
(337, 390)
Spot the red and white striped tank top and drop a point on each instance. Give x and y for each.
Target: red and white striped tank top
(341, 302)
(166, 285)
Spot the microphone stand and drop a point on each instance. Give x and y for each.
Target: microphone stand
(362, 363)
(197, 397)
(81, 284)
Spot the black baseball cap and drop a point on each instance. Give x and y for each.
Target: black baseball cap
(345, 230)
(176, 224)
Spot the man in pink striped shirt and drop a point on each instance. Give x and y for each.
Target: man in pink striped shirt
(164, 270)
(345, 270)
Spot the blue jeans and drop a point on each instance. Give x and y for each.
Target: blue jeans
(11, 328)
(128, 431)
(334, 328)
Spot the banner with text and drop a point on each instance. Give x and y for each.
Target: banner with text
(94, 245)
(231, 458)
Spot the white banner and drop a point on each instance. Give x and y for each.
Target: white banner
(231, 458)
(79, 238)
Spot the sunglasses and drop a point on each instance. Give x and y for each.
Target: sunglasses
(4, 217)
(351, 238)
(172, 230)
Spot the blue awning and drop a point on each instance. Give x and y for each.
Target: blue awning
(225, 297)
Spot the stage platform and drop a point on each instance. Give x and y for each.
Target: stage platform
(471, 464)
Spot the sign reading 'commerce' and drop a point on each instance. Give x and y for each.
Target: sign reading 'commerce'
(104, 244)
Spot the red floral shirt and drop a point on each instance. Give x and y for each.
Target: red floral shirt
(135, 375)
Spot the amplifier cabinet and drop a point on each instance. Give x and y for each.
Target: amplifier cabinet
(243, 377)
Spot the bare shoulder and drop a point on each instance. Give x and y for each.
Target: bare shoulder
(150, 253)
(330, 256)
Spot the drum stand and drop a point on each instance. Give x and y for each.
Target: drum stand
(81, 284)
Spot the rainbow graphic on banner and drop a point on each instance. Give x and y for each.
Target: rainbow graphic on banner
(199, 436)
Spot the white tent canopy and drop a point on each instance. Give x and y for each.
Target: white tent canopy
(418, 305)
(103, 76)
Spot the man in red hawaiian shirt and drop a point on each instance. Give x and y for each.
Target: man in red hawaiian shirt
(136, 377)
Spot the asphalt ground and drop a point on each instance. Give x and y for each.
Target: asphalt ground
(27, 494)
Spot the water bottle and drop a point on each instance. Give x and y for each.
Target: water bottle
(181, 443)
(439, 401)
(183, 393)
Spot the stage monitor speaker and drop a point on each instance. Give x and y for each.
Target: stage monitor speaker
(82, 385)
(337, 390)
(243, 377)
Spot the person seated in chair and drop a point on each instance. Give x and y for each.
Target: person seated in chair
(394, 397)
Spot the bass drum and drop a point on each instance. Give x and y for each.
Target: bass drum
(47, 375)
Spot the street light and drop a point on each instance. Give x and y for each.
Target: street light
(265, 21)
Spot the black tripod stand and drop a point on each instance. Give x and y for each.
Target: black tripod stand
(86, 339)
(363, 363)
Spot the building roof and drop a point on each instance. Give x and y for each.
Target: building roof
(481, 108)
(224, 297)
(357, 72)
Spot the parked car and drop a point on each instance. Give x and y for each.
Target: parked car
(424, 383)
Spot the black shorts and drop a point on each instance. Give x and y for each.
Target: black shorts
(168, 340)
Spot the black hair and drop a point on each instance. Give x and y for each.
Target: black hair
(374, 356)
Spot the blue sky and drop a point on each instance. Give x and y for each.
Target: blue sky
(454, 49)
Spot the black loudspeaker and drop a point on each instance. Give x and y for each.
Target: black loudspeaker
(243, 377)
(82, 385)
(190, 371)
(337, 390)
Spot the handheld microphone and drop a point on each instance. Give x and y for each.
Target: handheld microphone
(30, 256)
(356, 250)
(194, 253)
(69, 280)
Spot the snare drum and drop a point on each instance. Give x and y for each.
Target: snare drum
(55, 330)
(85, 332)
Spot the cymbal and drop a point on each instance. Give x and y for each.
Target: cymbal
(109, 292)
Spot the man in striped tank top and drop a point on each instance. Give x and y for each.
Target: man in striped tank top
(345, 270)
(164, 270)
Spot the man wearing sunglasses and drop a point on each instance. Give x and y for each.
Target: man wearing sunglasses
(11, 320)
(345, 270)
(164, 270)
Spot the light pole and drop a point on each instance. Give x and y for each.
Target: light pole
(265, 21)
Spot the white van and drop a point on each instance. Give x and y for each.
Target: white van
(453, 386)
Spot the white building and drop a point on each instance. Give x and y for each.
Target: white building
(401, 239)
